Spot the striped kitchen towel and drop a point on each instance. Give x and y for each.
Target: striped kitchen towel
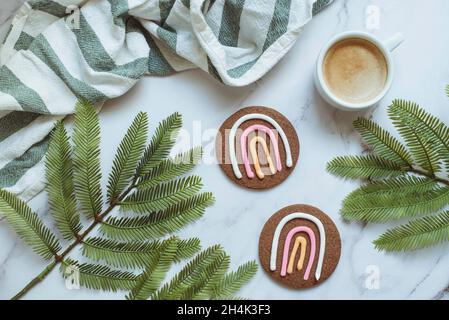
(58, 51)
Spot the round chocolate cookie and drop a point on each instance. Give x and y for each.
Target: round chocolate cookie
(270, 147)
(296, 235)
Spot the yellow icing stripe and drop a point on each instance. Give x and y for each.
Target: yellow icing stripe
(253, 150)
(300, 241)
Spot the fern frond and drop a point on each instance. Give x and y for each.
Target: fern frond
(447, 90)
(398, 186)
(28, 225)
(386, 207)
(150, 280)
(436, 131)
(383, 143)
(234, 281)
(128, 155)
(161, 143)
(192, 274)
(187, 249)
(120, 254)
(210, 277)
(171, 168)
(165, 204)
(59, 174)
(86, 159)
(162, 196)
(417, 234)
(364, 167)
(157, 224)
(419, 132)
(98, 277)
(133, 254)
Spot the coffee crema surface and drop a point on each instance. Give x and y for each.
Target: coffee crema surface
(355, 70)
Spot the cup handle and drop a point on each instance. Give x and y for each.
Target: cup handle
(394, 42)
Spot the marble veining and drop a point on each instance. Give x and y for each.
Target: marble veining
(422, 71)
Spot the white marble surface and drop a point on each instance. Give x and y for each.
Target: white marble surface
(238, 215)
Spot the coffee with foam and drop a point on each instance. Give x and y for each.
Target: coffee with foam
(355, 70)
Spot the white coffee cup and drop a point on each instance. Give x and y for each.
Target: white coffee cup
(386, 48)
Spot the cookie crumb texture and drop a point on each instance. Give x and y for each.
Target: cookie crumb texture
(273, 164)
(298, 266)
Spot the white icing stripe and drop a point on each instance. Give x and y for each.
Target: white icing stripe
(277, 234)
(233, 132)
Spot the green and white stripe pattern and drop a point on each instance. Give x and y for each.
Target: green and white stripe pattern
(47, 64)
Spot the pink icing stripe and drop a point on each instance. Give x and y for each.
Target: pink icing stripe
(290, 235)
(243, 140)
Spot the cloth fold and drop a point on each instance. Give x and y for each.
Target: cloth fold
(58, 51)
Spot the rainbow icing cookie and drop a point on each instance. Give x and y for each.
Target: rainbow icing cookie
(299, 246)
(257, 147)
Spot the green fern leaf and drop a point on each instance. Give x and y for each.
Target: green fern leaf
(233, 282)
(161, 143)
(98, 277)
(364, 167)
(191, 279)
(164, 203)
(417, 234)
(120, 254)
(437, 132)
(447, 90)
(383, 143)
(128, 155)
(386, 207)
(410, 121)
(28, 225)
(59, 174)
(171, 168)
(158, 224)
(162, 196)
(211, 276)
(133, 254)
(152, 277)
(187, 249)
(398, 186)
(86, 159)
